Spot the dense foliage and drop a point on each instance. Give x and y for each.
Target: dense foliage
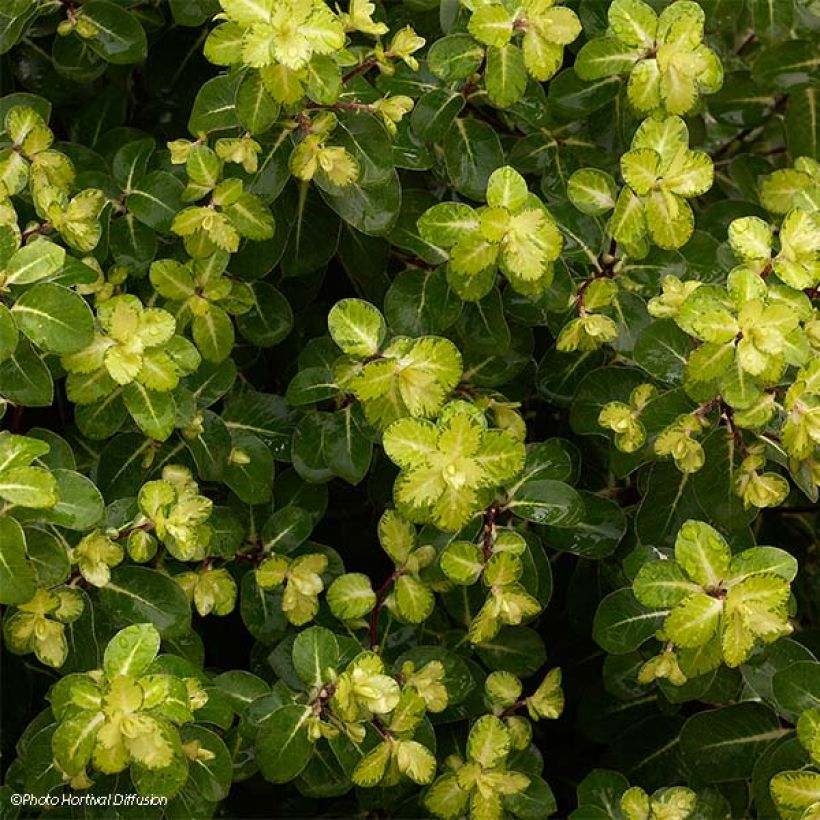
(411, 408)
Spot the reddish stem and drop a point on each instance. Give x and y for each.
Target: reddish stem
(489, 532)
(146, 527)
(361, 68)
(40, 229)
(374, 615)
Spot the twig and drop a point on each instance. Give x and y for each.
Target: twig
(489, 533)
(374, 615)
(361, 68)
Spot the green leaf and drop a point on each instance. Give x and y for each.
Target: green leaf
(131, 651)
(785, 66)
(74, 740)
(472, 151)
(703, 553)
(506, 75)
(54, 318)
(214, 108)
(491, 25)
(545, 501)
(519, 650)
(213, 334)
(351, 596)
(592, 191)
(357, 327)
(454, 57)
(722, 745)
(662, 584)
(212, 772)
(25, 379)
(139, 595)
(435, 112)
(445, 223)
(18, 582)
(250, 468)
(156, 200)
(37, 261)
(154, 412)
(80, 504)
(414, 601)
(596, 535)
(269, 320)
(8, 333)
(283, 748)
(256, 110)
(315, 652)
(622, 623)
(119, 38)
(28, 487)
(797, 687)
(662, 350)
(694, 621)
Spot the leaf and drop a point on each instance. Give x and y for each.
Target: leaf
(24, 378)
(256, 110)
(250, 468)
(371, 207)
(131, 651)
(80, 504)
(506, 75)
(211, 774)
(282, 747)
(435, 112)
(357, 327)
(519, 650)
(786, 66)
(662, 350)
(154, 412)
(572, 98)
(28, 487)
(315, 651)
(472, 152)
(156, 200)
(797, 687)
(597, 533)
(139, 595)
(722, 745)
(346, 446)
(213, 334)
(54, 318)
(454, 57)
(18, 582)
(214, 108)
(703, 553)
(270, 319)
(118, 37)
(545, 501)
(34, 262)
(622, 624)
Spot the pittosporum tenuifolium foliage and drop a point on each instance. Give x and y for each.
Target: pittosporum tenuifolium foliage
(411, 408)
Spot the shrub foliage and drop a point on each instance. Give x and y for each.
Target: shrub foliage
(411, 408)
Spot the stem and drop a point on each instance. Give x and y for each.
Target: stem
(147, 526)
(374, 615)
(729, 414)
(489, 533)
(361, 68)
(40, 229)
(779, 103)
(511, 709)
(380, 728)
(341, 106)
